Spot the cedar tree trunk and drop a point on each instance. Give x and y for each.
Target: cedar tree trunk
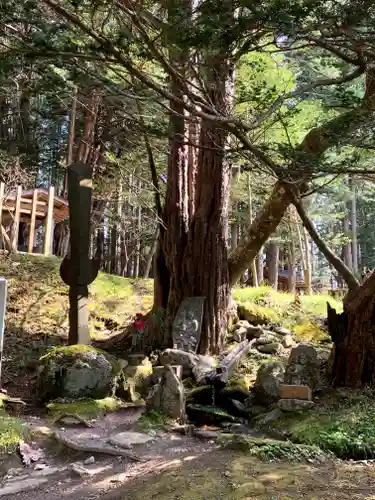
(353, 333)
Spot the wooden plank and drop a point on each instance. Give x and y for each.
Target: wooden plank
(29, 212)
(16, 220)
(49, 222)
(295, 392)
(32, 223)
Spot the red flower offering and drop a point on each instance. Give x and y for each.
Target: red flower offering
(139, 324)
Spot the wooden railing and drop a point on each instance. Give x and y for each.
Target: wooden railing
(15, 205)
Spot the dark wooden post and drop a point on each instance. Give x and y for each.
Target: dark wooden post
(77, 270)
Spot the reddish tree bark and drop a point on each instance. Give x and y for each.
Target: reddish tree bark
(353, 333)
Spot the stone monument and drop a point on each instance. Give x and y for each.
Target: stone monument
(187, 325)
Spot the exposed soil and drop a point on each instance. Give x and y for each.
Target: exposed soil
(188, 471)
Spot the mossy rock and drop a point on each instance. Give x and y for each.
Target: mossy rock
(86, 408)
(76, 372)
(135, 381)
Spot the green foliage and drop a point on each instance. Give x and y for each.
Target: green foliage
(343, 425)
(152, 420)
(12, 431)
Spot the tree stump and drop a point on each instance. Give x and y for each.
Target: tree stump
(353, 333)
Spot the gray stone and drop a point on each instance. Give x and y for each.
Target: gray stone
(266, 338)
(80, 470)
(273, 348)
(242, 323)
(75, 372)
(127, 440)
(303, 367)
(287, 341)
(89, 461)
(92, 443)
(254, 331)
(204, 365)
(267, 384)
(240, 334)
(206, 434)
(178, 357)
(24, 485)
(168, 395)
(270, 416)
(290, 405)
(187, 325)
(282, 331)
(173, 397)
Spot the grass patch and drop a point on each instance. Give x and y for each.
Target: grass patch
(270, 449)
(342, 424)
(308, 331)
(86, 408)
(11, 432)
(38, 299)
(152, 420)
(279, 307)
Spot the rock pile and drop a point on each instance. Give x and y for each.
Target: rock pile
(273, 340)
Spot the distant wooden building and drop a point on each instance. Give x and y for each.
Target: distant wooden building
(24, 213)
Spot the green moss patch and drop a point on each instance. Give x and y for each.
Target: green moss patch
(308, 331)
(86, 408)
(152, 420)
(271, 449)
(342, 424)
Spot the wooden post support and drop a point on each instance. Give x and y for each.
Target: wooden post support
(48, 224)
(32, 223)
(16, 221)
(2, 191)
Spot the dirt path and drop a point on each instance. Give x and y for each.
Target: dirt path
(178, 467)
(186, 469)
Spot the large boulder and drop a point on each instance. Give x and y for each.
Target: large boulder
(303, 367)
(267, 384)
(76, 372)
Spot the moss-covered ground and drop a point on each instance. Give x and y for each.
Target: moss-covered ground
(342, 422)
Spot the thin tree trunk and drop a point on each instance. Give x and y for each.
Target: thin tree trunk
(347, 248)
(292, 265)
(260, 266)
(234, 235)
(250, 204)
(307, 270)
(333, 259)
(273, 264)
(71, 137)
(150, 256)
(138, 242)
(354, 226)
